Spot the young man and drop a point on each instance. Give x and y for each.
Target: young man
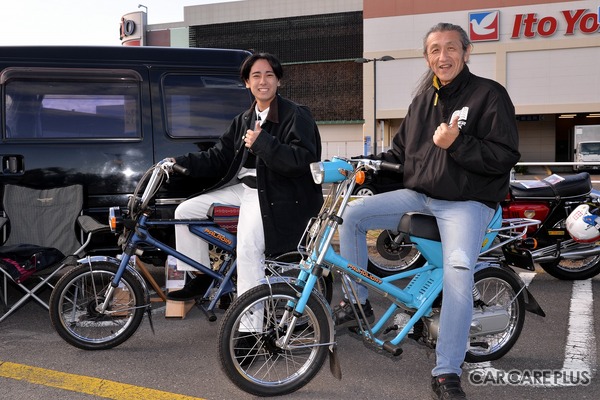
(262, 165)
(458, 143)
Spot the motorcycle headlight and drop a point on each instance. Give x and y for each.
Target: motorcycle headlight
(336, 170)
(318, 172)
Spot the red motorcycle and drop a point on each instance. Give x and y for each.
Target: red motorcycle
(551, 200)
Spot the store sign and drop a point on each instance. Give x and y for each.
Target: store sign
(484, 25)
(131, 31)
(530, 25)
(127, 27)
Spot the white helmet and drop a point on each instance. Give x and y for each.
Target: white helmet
(582, 225)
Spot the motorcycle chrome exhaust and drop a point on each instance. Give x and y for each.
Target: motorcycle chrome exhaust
(551, 254)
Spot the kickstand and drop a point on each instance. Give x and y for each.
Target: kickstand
(149, 312)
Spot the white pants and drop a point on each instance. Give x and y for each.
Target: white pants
(250, 234)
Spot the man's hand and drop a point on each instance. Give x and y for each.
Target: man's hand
(251, 135)
(445, 134)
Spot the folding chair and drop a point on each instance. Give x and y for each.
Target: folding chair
(45, 217)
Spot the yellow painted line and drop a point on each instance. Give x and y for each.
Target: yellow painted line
(85, 384)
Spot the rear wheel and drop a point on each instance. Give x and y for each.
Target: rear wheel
(75, 302)
(254, 359)
(573, 269)
(498, 289)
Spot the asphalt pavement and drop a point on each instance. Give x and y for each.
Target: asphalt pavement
(179, 361)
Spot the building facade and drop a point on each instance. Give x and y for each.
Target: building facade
(544, 52)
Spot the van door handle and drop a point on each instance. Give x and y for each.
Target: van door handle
(12, 164)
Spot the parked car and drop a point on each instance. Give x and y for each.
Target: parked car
(382, 181)
(101, 116)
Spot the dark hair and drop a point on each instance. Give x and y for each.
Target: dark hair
(446, 27)
(426, 79)
(249, 62)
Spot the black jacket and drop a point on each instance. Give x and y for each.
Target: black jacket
(477, 165)
(288, 143)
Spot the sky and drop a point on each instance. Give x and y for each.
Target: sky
(79, 22)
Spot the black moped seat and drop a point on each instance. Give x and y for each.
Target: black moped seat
(420, 225)
(572, 186)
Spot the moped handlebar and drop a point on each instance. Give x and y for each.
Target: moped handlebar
(379, 165)
(388, 166)
(180, 170)
(169, 165)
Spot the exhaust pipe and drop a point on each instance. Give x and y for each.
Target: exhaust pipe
(568, 252)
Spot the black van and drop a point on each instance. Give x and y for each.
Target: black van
(101, 116)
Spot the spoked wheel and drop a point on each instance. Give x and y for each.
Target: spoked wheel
(287, 265)
(574, 269)
(250, 351)
(75, 302)
(498, 289)
(570, 269)
(389, 254)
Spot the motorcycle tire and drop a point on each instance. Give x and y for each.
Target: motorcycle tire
(498, 287)
(566, 270)
(569, 269)
(254, 361)
(389, 255)
(74, 302)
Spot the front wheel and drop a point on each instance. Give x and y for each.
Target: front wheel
(75, 302)
(253, 357)
(498, 289)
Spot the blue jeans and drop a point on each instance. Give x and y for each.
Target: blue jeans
(462, 225)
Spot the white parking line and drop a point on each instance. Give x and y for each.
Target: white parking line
(580, 352)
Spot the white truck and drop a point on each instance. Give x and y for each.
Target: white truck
(586, 147)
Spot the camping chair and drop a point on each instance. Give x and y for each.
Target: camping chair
(44, 217)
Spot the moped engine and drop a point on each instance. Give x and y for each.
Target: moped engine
(486, 321)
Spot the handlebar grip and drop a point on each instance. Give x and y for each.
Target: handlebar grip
(180, 170)
(388, 166)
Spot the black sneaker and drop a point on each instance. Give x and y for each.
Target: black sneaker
(447, 387)
(194, 289)
(225, 301)
(344, 315)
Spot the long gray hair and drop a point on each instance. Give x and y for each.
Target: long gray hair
(427, 78)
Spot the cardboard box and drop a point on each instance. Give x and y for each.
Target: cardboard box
(121, 302)
(178, 309)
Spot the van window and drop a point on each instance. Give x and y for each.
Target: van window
(71, 104)
(202, 106)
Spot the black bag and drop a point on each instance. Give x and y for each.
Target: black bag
(22, 260)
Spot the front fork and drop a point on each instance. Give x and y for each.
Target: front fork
(306, 282)
(91, 260)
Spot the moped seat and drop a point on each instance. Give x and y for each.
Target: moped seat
(572, 186)
(420, 225)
